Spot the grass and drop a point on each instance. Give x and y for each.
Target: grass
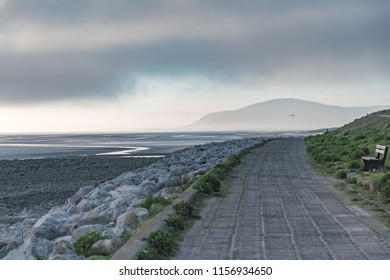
(338, 153)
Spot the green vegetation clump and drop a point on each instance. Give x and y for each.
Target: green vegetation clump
(149, 201)
(163, 242)
(176, 222)
(208, 184)
(155, 209)
(185, 210)
(84, 244)
(383, 186)
(155, 204)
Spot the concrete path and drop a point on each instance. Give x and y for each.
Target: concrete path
(279, 208)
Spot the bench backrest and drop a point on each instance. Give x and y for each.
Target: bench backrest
(381, 150)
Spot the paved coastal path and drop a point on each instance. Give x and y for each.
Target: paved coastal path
(277, 207)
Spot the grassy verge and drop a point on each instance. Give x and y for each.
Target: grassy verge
(162, 243)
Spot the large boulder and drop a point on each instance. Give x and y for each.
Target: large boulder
(51, 225)
(32, 248)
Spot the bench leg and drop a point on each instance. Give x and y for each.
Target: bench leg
(366, 165)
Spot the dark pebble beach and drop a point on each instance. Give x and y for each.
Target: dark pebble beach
(33, 186)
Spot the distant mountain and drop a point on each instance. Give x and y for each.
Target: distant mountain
(282, 115)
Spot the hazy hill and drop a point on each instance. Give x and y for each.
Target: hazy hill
(282, 114)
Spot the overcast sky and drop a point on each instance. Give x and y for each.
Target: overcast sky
(122, 65)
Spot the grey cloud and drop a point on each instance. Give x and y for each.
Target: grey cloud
(333, 38)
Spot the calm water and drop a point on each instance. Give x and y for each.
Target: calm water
(133, 144)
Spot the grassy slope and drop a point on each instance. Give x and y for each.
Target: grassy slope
(339, 153)
(343, 148)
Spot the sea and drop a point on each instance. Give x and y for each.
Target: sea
(34, 146)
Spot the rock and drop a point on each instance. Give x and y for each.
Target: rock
(108, 186)
(137, 202)
(79, 195)
(127, 193)
(149, 188)
(67, 257)
(167, 192)
(117, 208)
(140, 212)
(86, 205)
(51, 225)
(200, 171)
(97, 195)
(79, 232)
(103, 247)
(19, 254)
(62, 246)
(33, 248)
(15, 233)
(6, 248)
(126, 222)
(40, 247)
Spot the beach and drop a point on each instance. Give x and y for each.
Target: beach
(33, 186)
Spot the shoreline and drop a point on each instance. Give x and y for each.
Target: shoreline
(31, 187)
(111, 207)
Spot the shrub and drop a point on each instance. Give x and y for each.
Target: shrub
(355, 164)
(359, 137)
(208, 184)
(365, 150)
(149, 253)
(185, 210)
(176, 222)
(84, 244)
(352, 180)
(342, 174)
(221, 170)
(233, 161)
(154, 209)
(383, 185)
(150, 200)
(162, 241)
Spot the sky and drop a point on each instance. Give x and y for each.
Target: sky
(135, 65)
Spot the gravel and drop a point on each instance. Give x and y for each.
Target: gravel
(36, 185)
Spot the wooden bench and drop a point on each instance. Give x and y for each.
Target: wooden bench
(371, 163)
